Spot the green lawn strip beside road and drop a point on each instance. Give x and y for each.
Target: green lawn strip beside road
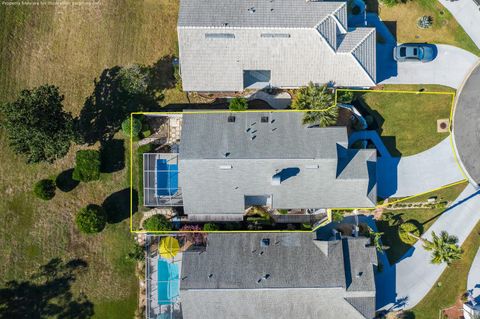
(420, 216)
(452, 283)
(407, 122)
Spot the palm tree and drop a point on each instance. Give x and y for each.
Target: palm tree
(319, 99)
(444, 248)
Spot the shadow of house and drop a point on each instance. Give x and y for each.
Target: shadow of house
(65, 181)
(117, 205)
(47, 294)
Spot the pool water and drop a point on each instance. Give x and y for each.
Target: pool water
(167, 178)
(168, 282)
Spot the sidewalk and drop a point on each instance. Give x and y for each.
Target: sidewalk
(467, 13)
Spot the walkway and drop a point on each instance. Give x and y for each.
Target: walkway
(411, 175)
(404, 284)
(466, 126)
(467, 13)
(473, 281)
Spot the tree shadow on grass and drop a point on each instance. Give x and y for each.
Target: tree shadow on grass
(47, 294)
(117, 205)
(65, 181)
(397, 248)
(112, 154)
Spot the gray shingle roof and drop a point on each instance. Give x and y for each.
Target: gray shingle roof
(304, 158)
(254, 13)
(211, 62)
(237, 276)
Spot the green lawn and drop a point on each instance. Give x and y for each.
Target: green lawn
(453, 281)
(70, 46)
(402, 22)
(408, 122)
(422, 216)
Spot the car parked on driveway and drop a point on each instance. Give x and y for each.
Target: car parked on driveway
(414, 52)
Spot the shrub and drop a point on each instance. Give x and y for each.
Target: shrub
(282, 211)
(345, 97)
(193, 234)
(157, 223)
(425, 22)
(238, 104)
(211, 227)
(91, 219)
(135, 128)
(137, 253)
(337, 216)
(405, 229)
(45, 189)
(134, 79)
(318, 99)
(87, 166)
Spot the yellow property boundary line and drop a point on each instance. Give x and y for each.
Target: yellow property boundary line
(329, 214)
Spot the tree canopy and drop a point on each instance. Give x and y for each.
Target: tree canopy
(320, 101)
(133, 126)
(37, 126)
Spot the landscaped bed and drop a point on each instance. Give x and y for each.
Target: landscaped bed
(422, 217)
(407, 122)
(402, 21)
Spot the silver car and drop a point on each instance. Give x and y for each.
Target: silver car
(414, 52)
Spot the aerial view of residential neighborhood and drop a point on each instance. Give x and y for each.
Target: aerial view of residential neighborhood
(240, 159)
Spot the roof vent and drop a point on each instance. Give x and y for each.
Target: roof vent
(226, 154)
(266, 276)
(251, 10)
(225, 166)
(210, 276)
(264, 119)
(265, 242)
(231, 119)
(312, 166)
(359, 274)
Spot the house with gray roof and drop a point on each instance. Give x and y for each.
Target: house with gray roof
(278, 275)
(228, 162)
(240, 44)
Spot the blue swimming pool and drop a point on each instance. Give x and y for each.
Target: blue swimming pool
(168, 282)
(167, 178)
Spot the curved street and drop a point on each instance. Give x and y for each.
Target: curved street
(466, 126)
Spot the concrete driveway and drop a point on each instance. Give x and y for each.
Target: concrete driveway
(451, 66)
(427, 170)
(404, 284)
(467, 13)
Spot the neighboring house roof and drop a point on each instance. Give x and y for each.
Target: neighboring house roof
(238, 276)
(296, 40)
(224, 164)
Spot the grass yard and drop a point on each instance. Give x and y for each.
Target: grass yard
(453, 281)
(423, 216)
(407, 123)
(70, 46)
(402, 21)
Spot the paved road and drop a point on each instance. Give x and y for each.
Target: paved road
(466, 126)
(451, 66)
(404, 284)
(467, 13)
